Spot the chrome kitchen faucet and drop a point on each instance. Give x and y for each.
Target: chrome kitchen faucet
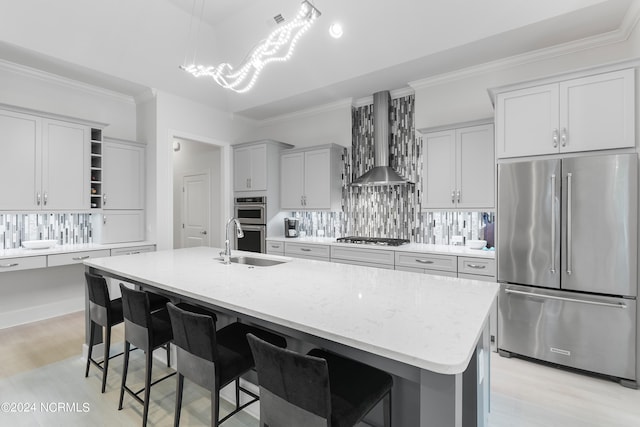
(226, 254)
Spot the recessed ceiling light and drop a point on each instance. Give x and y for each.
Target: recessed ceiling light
(336, 30)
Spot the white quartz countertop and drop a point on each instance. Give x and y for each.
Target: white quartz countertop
(409, 247)
(61, 249)
(431, 322)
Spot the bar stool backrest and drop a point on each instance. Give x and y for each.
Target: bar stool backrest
(293, 386)
(99, 300)
(137, 317)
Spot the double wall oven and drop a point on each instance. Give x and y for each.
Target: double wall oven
(251, 212)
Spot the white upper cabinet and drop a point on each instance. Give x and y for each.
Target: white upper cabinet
(459, 168)
(123, 169)
(250, 168)
(582, 114)
(311, 178)
(21, 147)
(66, 151)
(46, 163)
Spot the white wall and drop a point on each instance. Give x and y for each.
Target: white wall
(323, 125)
(462, 96)
(182, 118)
(28, 88)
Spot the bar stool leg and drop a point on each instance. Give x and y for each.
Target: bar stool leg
(91, 336)
(147, 386)
(125, 368)
(105, 365)
(237, 393)
(215, 404)
(386, 408)
(168, 355)
(179, 387)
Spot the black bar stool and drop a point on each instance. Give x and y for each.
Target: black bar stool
(212, 359)
(103, 312)
(147, 330)
(317, 389)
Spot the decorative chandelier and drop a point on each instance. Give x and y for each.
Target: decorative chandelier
(277, 47)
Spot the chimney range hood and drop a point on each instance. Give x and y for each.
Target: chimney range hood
(381, 173)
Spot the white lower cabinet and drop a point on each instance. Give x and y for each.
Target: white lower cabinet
(75, 257)
(22, 263)
(275, 248)
(363, 256)
(427, 271)
(133, 250)
(118, 227)
(433, 263)
(308, 251)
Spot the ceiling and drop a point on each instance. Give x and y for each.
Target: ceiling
(131, 46)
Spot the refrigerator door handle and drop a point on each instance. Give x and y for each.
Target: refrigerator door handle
(553, 223)
(569, 215)
(532, 294)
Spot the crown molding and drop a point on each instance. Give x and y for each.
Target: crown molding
(393, 94)
(63, 81)
(616, 36)
(344, 103)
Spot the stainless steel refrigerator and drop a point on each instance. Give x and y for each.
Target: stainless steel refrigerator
(567, 232)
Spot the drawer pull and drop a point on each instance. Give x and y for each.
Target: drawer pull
(275, 246)
(478, 266)
(80, 258)
(424, 261)
(305, 250)
(133, 253)
(15, 264)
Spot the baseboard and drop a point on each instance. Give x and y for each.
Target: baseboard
(41, 312)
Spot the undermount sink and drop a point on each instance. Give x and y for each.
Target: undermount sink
(260, 262)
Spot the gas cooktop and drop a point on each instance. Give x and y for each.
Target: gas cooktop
(382, 241)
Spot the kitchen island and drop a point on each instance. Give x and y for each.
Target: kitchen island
(430, 332)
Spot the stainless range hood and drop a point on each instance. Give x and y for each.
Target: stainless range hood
(381, 173)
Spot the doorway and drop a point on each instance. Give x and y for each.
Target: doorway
(197, 192)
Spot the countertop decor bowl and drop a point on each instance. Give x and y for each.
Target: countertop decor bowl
(39, 244)
(476, 244)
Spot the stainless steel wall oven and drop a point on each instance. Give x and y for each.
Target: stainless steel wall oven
(251, 212)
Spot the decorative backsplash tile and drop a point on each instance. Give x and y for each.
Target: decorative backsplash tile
(391, 211)
(65, 228)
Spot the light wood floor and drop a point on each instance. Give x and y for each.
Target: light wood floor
(41, 362)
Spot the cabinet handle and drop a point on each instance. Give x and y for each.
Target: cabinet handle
(104, 199)
(569, 223)
(38, 199)
(453, 196)
(133, 253)
(275, 246)
(80, 258)
(15, 264)
(104, 220)
(424, 261)
(305, 250)
(458, 196)
(46, 198)
(555, 138)
(563, 137)
(204, 232)
(478, 266)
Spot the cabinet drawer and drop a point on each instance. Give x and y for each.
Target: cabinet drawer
(133, 250)
(75, 257)
(276, 248)
(312, 251)
(481, 266)
(23, 263)
(427, 261)
(363, 263)
(427, 271)
(369, 256)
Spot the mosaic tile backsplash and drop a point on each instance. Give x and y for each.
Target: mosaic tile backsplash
(391, 211)
(65, 228)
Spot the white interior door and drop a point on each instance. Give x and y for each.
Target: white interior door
(196, 207)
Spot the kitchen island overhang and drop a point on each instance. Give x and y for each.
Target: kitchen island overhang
(430, 332)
